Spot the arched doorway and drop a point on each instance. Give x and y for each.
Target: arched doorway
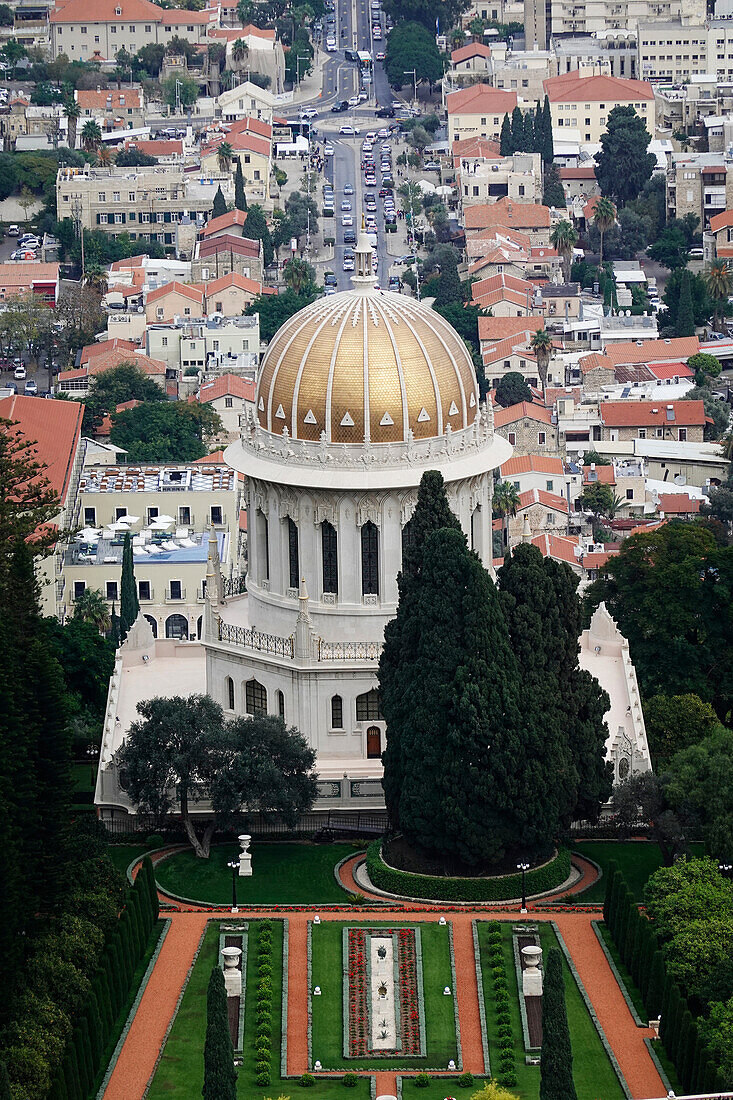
(200, 627)
(374, 743)
(176, 626)
(153, 625)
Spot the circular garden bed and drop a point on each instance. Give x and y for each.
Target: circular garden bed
(539, 880)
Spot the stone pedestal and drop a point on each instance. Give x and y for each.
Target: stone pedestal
(531, 975)
(245, 859)
(232, 975)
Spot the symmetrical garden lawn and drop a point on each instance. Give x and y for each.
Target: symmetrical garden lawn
(179, 1075)
(593, 1073)
(638, 859)
(327, 971)
(283, 874)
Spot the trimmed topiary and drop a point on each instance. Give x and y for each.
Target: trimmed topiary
(504, 1031)
(503, 1018)
(422, 1081)
(505, 1042)
(262, 1043)
(350, 1080)
(465, 1080)
(262, 1079)
(262, 1067)
(307, 1081)
(508, 1079)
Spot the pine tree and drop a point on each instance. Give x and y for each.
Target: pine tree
(608, 900)
(129, 604)
(220, 1078)
(450, 287)
(685, 316)
(454, 692)
(617, 890)
(255, 228)
(538, 129)
(548, 148)
(518, 130)
(58, 1089)
(634, 950)
(506, 144)
(220, 206)
(432, 512)
(556, 1059)
(676, 1014)
(240, 199)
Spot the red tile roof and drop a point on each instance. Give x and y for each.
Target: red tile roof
(227, 242)
(473, 148)
(251, 29)
(524, 410)
(157, 148)
(595, 558)
(480, 98)
(558, 547)
(539, 464)
(721, 221)
(186, 289)
(581, 172)
(104, 11)
(541, 496)
(678, 504)
(670, 370)
(645, 414)
(91, 99)
(603, 474)
(674, 348)
(227, 385)
(224, 221)
(55, 427)
(90, 351)
(519, 215)
(473, 49)
(499, 328)
(571, 87)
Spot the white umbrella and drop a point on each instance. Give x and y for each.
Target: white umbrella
(426, 187)
(108, 533)
(160, 524)
(128, 518)
(444, 190)
(165, 519)
(89, 534)
(153, 550)
(120, 525)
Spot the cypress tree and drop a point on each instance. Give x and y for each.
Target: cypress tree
(608, 901)
(676, 1014)
(685, 316)
(129, 604)
(71, 1074)
(100, 986)
(682, 1041)
(220, 206)
(94, 1023)
(517, 130)
(138, 936)
(114, 628)
(5, 1093)
(149, 870)
(645, 959)
(432, 512)
(695, 1062)
(709, 1076)
(556, 1059)
(666, 1007)
(256, 229)
(220, 1078)
(548, 148)
(506, 144)
(637, 934)
(538, 129)
(618, 890)
(82, 1059)
(111, 966)
(456, 691)
(657, 986)
(240, 199)
(58, 1089)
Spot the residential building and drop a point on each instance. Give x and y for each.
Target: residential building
(470, 64)
(147, 203)
(528, 428)
(84, 34)
(583, 103)
(518, 177)
(532, 219)
(209, 345)
(718, 241)
(579, 183)
(523, 71)
(536, 472)
(478, 111)
(701, 184)
(20, 278)
(54, 427)
(167, 151)
(250, 100)
(202, 500)
(540, 511)
(683, 421)
(232, 397)
(626, 479)
(505, 295)
(609, 51)
(265, 54)
(111, 108)
(545, 19)
(75, 382)
(678, 506)
(253, 152)
(174, 300)
(228, 254)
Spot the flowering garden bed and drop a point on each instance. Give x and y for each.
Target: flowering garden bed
(409, 1010)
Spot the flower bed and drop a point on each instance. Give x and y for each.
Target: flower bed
(357, 1002)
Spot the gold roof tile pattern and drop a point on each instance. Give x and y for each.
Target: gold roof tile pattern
(366, 366)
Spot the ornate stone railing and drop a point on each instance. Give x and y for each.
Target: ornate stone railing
(255, 639)
(348, 651)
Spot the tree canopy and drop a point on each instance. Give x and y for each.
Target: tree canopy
(411, 45)
(113, 387)
(276, 309)
(674, 722)
(165, 431)
(700, 789)
(512, 389)
(623, 165)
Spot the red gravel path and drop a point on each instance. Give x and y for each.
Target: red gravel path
(297, 992)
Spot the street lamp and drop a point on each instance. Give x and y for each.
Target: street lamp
(413, 74)
(91, 752)
(725, 869)
(235, 867)
(523, 867)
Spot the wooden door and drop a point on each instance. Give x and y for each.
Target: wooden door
(374, 743)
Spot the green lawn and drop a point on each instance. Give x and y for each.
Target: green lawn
(122, 855)
(439, 1088)
(180, 1071)
(283, 874)
(638, 859)
(82, 777)
(594, 1076)
(327, 1010)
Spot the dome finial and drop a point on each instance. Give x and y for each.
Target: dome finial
(363, 258)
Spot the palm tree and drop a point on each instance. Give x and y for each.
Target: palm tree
(604, 218)
(72, 112)
(298, 274)
(564, 238)
(239, 51)
(91, 136)
(719, 282)
(541, 345)
(96, 277)
(224, 156)
(505, 503)
(104, 156)
(91, 607)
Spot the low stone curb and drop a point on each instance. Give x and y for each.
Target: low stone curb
(595, 925)
(592, 1011)
(659, 1067)
(284, 1002)
(337, 875)
(133, 1009)
(481, 1000)
(454, 991)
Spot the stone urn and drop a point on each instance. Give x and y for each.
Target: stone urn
(532, 975)
(232, 975)
(245, 859)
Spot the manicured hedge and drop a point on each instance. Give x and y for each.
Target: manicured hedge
(503, 888)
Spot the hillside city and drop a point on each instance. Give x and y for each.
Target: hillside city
(366, 372)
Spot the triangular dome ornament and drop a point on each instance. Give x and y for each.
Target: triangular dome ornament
(472, 401)
(386, 421)
(280, 412)
(261, 405)
(309, 418)
(453, 410)
(423, 416)
(347, 422)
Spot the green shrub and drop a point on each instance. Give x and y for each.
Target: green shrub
(351, 1080)
(497, 972)
(262, 1067)
(422, 1081)
(264, 970)
(154, 840)
(264, 1012)
(494, 926)
(465, 1080)
(307, 1081)
(264, 986)
(265, 948)
(496, 955)
(262, 1079)
(264, 1029)
(262, 1043)
(508, 1079)
(505, 1042)
(504, 1030)
(503, 1018)
(500, 983)
(501, 998)
(506, 1059)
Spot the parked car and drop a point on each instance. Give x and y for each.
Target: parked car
(13, 231)
(31, 389)
(23, 254)
(19, 374)
(394, 282)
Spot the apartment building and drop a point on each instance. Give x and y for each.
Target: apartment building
(211, 345)
(254, 153)
(99, 32)
(583, 103)
(479, 111)
(699, 183)
(683, 421)
(147, 203)
(518, 177)
(544, 19)
(251, 100)
(613, 52)
(111, 108)
(469, 64)
(523, 71)
(677, 51)
(174, 511)
(528, 428)
(232, 397)
(529, 472)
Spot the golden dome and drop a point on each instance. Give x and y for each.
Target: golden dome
(366, 366)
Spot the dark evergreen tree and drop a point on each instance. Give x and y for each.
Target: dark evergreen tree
(240, 199)
(506, 143)
(518, 130)
(685, 317)
(682, 1046)
(645, 958)
(453, 702)
(431, 513)
(58, 1089)
(666, 1007)
(556, 1059)
(5, 1093)
(149, 872)
(255, 228)
(538, 128)
(608, 900)
(101, 990)
(220, 205)
(220, 1078)
(114, 627)
(94, 1023)
(553, 193)
(71, 1074)
(450, 287)
(548, 148)
(129, 603)
(617, 889)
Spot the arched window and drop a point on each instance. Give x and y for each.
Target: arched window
(407, 539)
(230, 693)
(153, 625)
(264, 546)
(369, 559)
(293, 554)
(367, 707)
(281, 705)
(176, 626)
(329, 545)
(337, 713)
(200, 627)
(255, 697)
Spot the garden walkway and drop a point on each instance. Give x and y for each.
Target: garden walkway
(142, 1045)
